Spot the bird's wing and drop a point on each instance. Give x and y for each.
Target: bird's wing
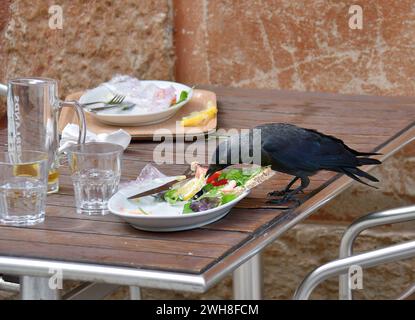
(345, 146)
(286, 153)
(308, 151)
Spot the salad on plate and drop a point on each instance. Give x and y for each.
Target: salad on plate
(201, 192)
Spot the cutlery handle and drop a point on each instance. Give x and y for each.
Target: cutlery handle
(3, 90)
(127, 106)
(91, 103)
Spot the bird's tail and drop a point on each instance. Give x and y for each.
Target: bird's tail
(367, 161)
(355, 173)
(358, 153)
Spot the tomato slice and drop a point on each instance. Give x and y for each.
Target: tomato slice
(213, 177)
(221, 182)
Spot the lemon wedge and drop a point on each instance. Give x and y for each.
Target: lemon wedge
(200, 117)
(190, 188)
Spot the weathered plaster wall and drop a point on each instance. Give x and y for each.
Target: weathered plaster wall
(98, 38)
(299, 45)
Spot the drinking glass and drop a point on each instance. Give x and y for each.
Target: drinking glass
(23, 187)
(95, 171)
(33, 109)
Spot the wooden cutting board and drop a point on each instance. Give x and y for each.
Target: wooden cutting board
(198, 102)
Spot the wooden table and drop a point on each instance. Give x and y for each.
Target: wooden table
(105, 249)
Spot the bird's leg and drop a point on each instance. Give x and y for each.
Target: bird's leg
(286, 190)
(290, 196)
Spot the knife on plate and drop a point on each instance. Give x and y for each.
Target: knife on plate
(157, 188)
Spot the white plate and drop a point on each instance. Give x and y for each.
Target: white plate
(160, 221)
(103, 93)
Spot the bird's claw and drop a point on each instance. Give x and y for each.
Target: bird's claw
(286, 199)
(282, 193)
(277, 193)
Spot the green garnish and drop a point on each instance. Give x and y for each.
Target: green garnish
(208, 187)
(228, 198)
(183, 97)
(187, 209)
(240, 176)
(171, 196)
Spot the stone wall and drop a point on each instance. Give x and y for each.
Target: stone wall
(99, 38)
(297, 45)
(289, 44)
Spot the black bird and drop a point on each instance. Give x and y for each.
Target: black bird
(295, 151)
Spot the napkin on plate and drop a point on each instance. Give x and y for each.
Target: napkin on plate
(71, 131)
(147, 97)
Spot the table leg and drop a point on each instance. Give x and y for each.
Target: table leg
(37, 288)
(91, 291)
(247, 280)
(135, 293)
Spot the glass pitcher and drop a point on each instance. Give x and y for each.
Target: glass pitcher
(32, 115)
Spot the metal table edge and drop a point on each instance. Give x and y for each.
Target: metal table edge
(104, 274)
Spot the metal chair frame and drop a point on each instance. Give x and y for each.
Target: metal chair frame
(368, 259)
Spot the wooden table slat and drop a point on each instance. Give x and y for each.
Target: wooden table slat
(123, 243)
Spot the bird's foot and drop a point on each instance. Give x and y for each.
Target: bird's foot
(282, 193)
(277, 193)
(284, 201)
(287, 198)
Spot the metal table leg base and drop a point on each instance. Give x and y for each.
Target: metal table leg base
(37, 288)
(91, 291)
(247, 280)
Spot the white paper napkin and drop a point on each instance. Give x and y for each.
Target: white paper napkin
(71, 131)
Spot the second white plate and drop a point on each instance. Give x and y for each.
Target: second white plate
(103, 93)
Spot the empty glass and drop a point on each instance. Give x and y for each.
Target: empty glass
(23, 187)
(95, 171)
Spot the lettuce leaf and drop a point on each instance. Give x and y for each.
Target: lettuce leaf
(228, 198)
(239, 175)
(187, 208)
(171, 196)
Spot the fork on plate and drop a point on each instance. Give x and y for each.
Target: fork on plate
(117, 99)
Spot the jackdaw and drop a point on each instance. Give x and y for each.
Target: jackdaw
(295, 151)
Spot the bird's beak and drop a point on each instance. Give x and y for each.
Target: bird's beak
(213, 168)
(210, 171)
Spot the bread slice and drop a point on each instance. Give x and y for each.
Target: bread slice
(262, 176)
